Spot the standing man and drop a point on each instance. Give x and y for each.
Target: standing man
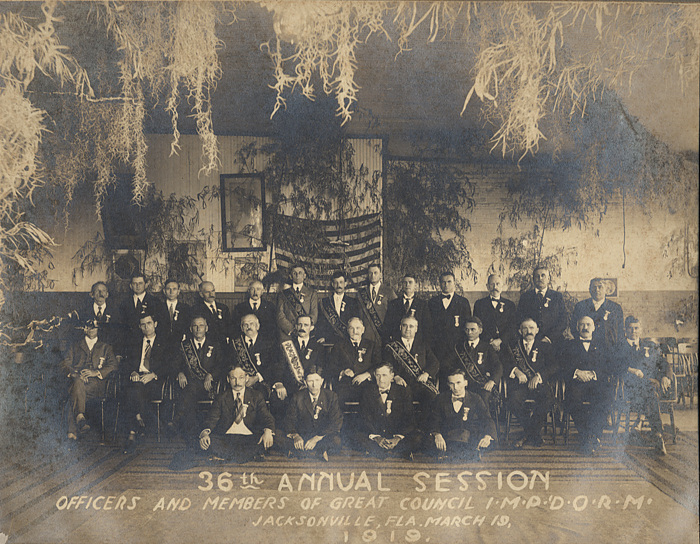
(200, 370)
(336, 310)
(545, 306)
(87, 363)
(408, 305)
(606, 315)
(530, 377)
(239, 426)
(299, 299)
(101, 310)
(260, 308)
(497, 315)
(374, 299)
(460, 425)
(178, 314)
(136, 305)
(216, 313)
(314, 419)
(448, 311)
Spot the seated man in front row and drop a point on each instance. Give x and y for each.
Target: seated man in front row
(88, 363)
(387, 424)
(239, 426)
(459, 423)
(314, 419)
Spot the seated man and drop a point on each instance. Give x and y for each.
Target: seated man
(258, 355)
(299, 352)
(149, 363)
(587, 373)
(314, 419)
(239, 426)
(459, 423)
(387, 426)
(351, 362)
(532, 371)
(201, 368)
(87, 363)
(647, 374)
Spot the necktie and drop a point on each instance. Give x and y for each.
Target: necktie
(249, 341)
(356, 344)
(212, 308)
(298, 290)
(374, 293)
(99, 312)
(472, 345)
(172, 311)
(239, 408)
(199, 346)
(255, 306)
(139, 306)
(540, 297)
(147, 355)
(406, 304)
(314, 403)
(302, 345)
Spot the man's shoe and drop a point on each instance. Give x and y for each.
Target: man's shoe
(325, 456)
(72, 436)
(130, 446)
(84, 426)
(518, 444)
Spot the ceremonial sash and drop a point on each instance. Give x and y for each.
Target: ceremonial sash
(291, 297)
(403, 356)
(333, 318)
(193, 362)
(374, 318)
(292, 357)
(244, 356)
(471, 368)
(522, 361)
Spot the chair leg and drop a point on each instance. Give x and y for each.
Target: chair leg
(102, 419)
(158, 421)
(507, 425)
(673, 422)
(554, 426)
(116, 421)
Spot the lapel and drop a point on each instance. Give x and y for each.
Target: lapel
(306, 398)
(84, 348)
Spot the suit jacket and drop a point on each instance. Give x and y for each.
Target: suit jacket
(79, 357)
(286, 316)
(219, 324)
(490, 362)
(344, 355)
(300, 414)
(265, 356)
(312, 354)
(608, 320)
(648, 359)
(211, 358)
(574, 356)
(550, 314)
(163, 363)
(544, 362)
(444, 420)
(396, 312)
(374, 416)
(179, 325)
(325, 330)
(499, 322)
(130, 315)
(423, 355)
(385, 295)
(223, 413)
(266, 314)
(110, 328)
(447, 322)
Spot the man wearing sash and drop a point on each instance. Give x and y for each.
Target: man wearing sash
(497, 315)
(530, 377)
(416, 366)
(460, 425)
(606, 315)
(216, 313)
(201, 369)
(351, 362)
(408, 305)
(387, 425)
(239, 426)
(260, 308)
(448, 311)
(374, 298)
(479, 361)
(314, 419)
(335, 311)
(300, 352)
(299, 299)
(178, 315)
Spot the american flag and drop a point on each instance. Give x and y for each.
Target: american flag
(326, 246)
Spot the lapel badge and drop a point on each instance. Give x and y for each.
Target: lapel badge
(546, 302)
(308, 353)
(210, 349)
(465, 413)
(646, 351)
(480, 360)
(317, 411)
(175, 314)
(456, 321)
(102, 362)
(500, 307)
(388, 406)
(533, 354)
(360, 353)
(257, 359)
(605, 317)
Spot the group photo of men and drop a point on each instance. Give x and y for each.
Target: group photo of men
(368, 370)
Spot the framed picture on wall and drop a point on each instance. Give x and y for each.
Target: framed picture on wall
(242, 206)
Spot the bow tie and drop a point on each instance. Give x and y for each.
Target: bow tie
(495, 299)
(457, 399)
(445, 297)
(383, 391)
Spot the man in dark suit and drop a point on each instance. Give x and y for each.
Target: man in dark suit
(101, 309)
(531, 374)
(178, 315)
(606, 315)
(298, 299)
(448, 311)
(201, 368)
(459, 422)
(239, 426)
(216, 313)
(258, 356)
(647, 376)
(374, 297)
(545, 306)
(314, 419)
(477, 358)
(88, 363)
(299, 352)
(335, 310)
(351, 362)
(587, 374)
(416, 366)
(148, 364)
(135, 306)
(408, 305)
(260, 308)
(387, 425)
(497, 315)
